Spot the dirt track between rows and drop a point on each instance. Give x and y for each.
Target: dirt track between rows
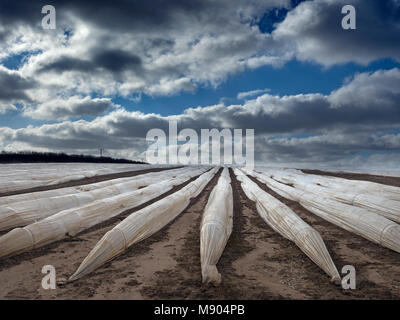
(257, 263)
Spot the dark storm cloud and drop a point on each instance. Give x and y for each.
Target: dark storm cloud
(13, 86)
(330, 149)
(117, 14)
(71, 136)
(113, 60)
(164, 47)
(117, 60)
(61, 109)
(23, 11)
(65, 63)
(125, 14)
(322, 39)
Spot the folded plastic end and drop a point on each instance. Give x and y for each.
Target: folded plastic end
(211, 275)
(390, 237)
(112, 244)
(101, 253)
(336, 280)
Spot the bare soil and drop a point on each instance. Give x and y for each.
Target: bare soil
(257, 262)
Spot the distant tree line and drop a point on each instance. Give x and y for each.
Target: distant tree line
(32, 156)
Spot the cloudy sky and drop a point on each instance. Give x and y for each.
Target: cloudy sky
(315, 94)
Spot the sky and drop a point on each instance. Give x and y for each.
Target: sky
(316, 95)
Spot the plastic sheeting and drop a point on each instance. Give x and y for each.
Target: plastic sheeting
(360, 221)
(391, 173)
(78, 189)
(25, 180)
(344, 185)
(216, 227)
(49, 172)
(52, 171)
(141, 224)
(72, 221)
(384, 207)
(27, 212)
(288, 224)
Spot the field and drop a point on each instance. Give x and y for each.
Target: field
(257, 262)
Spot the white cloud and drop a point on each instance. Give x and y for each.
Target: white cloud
(121, 51)
(282, 124)
(252, 93)
(74, 106)
(191, 46)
